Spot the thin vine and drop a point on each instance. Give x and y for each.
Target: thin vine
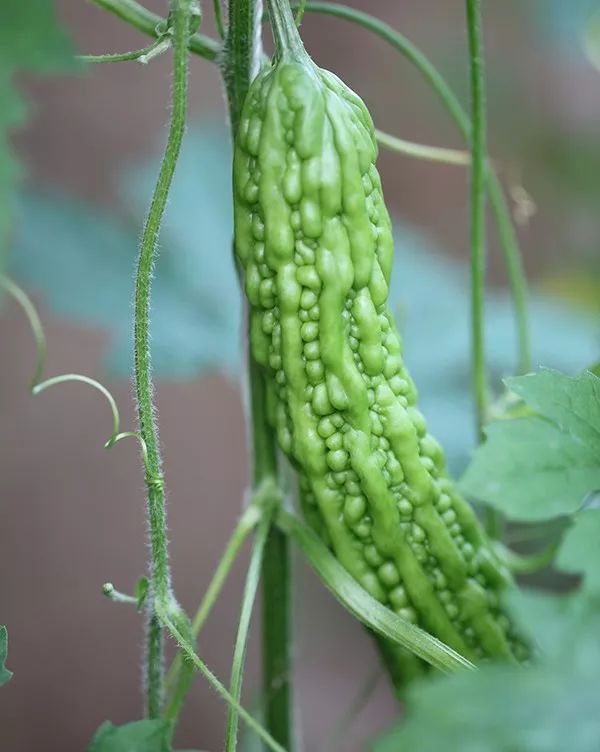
(143, 55)
(188, 650)
(218, 12)
(239, 653)
(34, 321)
(260, 504)
(242, 530)
(477, 211)
(37, 386)
(300, 12)
(423, 151)
(154, 25)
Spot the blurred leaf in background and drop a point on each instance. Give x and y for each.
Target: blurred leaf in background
(87, 272)
(552, 706)
(563, 20)
(81, 259)
(31, 40)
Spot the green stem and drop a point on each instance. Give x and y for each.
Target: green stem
(218, 11)
(264, 457)
(176, 683)
(285, 31)
(149, 23)
(406, 48)
(142, 56)
(300, 12)
(188, 650)
(239, 56)
(478, 233)
(514, 265)
(504, 224)
(237, 73)
(239, 653)
(422, 151)
(154, 657)
(242, 530)
(478, 250)
(276, 638)
(276, 593)
(160, 576)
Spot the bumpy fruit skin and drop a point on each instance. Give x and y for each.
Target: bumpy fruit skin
(314, 240)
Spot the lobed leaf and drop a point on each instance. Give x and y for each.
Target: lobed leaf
(543, 465)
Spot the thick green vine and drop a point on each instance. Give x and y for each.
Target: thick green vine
(242, 52)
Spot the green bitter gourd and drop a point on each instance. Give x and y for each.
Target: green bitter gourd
(314, 240)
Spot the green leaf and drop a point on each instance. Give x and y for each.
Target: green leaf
(138, 736)
(31, 39)
(546, 617)
(552, 705)
(544, 465)
(5, 674)
(579, 550)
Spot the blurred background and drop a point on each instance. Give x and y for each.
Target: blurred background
(72, 515)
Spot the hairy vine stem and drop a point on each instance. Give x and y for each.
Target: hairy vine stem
(160, 575)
